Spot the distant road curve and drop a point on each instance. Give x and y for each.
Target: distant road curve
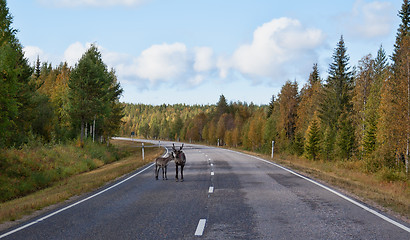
(225, 195)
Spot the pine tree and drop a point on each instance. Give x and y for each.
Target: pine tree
(113, 116)
(89, 93)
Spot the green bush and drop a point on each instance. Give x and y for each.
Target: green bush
(391, 174)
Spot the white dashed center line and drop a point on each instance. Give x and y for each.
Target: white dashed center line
(211, 189)
(212, 173)
(200, 228)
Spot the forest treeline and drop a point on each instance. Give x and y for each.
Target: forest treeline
(360, 112)
(44, 104)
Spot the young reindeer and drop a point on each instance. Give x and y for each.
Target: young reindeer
(162, 162)
(180, 160)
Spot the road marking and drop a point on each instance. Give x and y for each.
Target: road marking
(211, 189)
(212, 164)
(76, 203)
(212, 173)
(200, 228)
(332, 191)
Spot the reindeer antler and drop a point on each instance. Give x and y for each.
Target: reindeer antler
(181, 147)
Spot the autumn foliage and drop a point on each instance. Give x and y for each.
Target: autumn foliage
(360, 113)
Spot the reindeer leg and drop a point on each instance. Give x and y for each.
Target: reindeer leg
(156, 172)
(182, 173)
(176, 171)
(166, 172)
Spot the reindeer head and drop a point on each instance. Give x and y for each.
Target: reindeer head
(177, 152)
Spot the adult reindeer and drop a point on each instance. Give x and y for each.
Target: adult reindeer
(180, 160)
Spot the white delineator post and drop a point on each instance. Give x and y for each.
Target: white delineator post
(143, 152)
(273, 148)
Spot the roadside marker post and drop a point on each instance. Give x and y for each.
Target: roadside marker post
(143, 157)
(273, 148)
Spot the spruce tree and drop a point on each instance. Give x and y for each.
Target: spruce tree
(340, 80)
(312, 145)
(372, 109)
(37, 71)
(16, 92)
(345, 141)
(402, 32)
(337, 97)
(271, 106)
(221, 106)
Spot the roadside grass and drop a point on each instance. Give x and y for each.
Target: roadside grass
(104, 169)
(32, 168)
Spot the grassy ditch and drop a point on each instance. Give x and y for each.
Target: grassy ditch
(110, 164)
(30, 169)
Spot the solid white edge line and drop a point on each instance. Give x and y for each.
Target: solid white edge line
(200, 228)
(332, 191)
(76, 203)
(211, 189)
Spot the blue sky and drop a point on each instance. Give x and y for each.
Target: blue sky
(193, 51)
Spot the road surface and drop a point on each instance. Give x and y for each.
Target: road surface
(225, 195)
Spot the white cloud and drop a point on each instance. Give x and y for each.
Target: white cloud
(281, 49)
(74, 52)
(223, 63)
(163, 62)
(203, 59)
(92, 3)
(196, 80)
(370, 19)
(275, 45)
(32, 52)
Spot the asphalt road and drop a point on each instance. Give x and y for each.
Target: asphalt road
(225, 195)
